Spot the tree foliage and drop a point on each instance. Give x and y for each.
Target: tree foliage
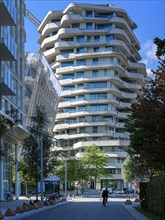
(30, 164)
(146, 123)
(75, 171)
(130, 169)
(95, 162)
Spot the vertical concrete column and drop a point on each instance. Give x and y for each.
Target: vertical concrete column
(1, 172)
(16, 173)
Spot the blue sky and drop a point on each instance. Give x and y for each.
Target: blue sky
(149, 15)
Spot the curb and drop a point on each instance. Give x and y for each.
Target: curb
(134, 213)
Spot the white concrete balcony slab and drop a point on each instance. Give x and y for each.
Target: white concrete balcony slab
(127, 28)
(120, 154)
(49, 28)
(101, 143)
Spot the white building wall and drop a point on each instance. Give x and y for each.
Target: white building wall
(100, 76)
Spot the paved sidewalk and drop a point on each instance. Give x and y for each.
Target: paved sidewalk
(13, 204)
(134, 213)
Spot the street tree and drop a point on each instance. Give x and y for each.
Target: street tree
(146, 123)
(75, 171)
(29, 166)
(130, 170)
(95, 163)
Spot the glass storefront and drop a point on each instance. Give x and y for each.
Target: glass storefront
(8, 167)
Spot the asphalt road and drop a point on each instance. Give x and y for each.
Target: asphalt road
(85, 209)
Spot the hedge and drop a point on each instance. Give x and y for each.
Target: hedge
(152, 195)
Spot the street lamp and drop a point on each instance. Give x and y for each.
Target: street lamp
(66, 169)
(40, 144)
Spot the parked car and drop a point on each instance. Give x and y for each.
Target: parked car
(8, 196)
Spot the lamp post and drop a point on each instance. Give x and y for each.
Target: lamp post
(40, 145)
(66, 170)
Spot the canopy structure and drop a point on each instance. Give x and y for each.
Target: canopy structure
(52, 179)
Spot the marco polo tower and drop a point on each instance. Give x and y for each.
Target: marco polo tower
(93, 52)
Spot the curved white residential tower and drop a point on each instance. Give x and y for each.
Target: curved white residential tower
(94, 53)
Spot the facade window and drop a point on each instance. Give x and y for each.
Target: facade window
(104, 27)
(109, 48)
(80, 39)
(55, 20)
(81, 108)
(89, 26)
(98, 107)
(81, 119)
(97, 85)
(72, 131)
(70, 110)
(95, 129)
(108, 118)
(68, 88)
(76, 25)
(71, 120)
(80, 74)
(96, 38)
(64, 64)
(95, 61)
(96, 118)
(89, 38)
(96, 49)
(67, 39)
(81, 50)
(68, 76)
(82, 130)
(104, 15)
(89, 13)
(98, 96)
(109, 37)
(80, 62)
(81, 97)
(80, 86)
(95, 73)
(63, 52)
(66, 99)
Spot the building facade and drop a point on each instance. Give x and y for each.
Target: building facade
(12, 70)
(42, 88)
(93, 52)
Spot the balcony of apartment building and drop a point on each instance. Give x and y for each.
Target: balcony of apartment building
(7, 81)
(117, 143)
(7, 13)
(8, 47)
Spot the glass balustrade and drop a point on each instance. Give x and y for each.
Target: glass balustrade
(8, 40)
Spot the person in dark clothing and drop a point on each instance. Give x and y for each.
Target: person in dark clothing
(105, 196)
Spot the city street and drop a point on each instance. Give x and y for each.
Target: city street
(86, 209)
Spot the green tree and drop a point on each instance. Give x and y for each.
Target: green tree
(130, 169)
(146, 123)
(29, 166)
(95, 162)
(75, 171)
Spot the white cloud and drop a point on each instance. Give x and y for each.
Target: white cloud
(149, 49)
(149, 72)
